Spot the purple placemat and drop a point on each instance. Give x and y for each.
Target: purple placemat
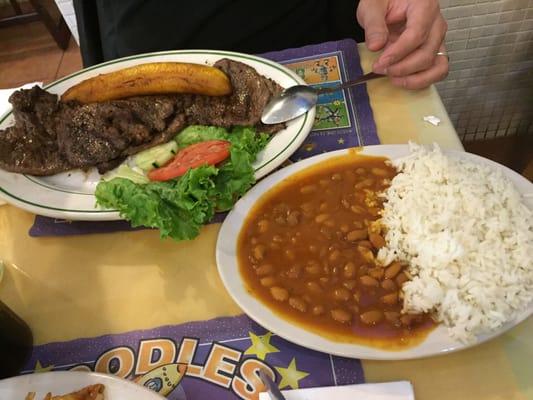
(215, 359)
(343, 119)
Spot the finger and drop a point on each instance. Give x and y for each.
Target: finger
(371, 16)
(419, 20)
(424, 57)
(423, 79)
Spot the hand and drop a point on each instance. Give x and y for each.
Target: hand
(410, 32)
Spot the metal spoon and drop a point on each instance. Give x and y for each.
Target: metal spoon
(297, 100)
(272, 388)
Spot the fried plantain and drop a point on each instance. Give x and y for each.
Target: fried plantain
(151, 78)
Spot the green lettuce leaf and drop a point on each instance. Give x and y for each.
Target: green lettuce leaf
(236, 176)
(200, 133)
(177, 207)
(245, 137)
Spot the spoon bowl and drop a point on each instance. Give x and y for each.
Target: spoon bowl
(297, 100)
(291, 103)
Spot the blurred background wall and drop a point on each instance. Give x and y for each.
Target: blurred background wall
(489, 91)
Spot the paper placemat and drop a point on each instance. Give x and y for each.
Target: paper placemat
(343, 119)
(215, 359)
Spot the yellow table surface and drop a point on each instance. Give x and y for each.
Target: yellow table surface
(85, 286)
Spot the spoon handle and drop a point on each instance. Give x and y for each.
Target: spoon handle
(345, 85)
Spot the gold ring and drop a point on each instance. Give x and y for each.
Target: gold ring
(445, 54)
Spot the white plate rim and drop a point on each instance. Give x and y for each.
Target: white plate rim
(63, 382)
(298, 128)
(437, 343)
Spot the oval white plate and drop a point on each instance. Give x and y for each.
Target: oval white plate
(437, 342)
(70, 195)
(63, 382)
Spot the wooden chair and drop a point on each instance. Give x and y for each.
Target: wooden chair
(41, 12)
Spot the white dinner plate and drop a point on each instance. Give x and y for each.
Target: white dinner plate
(70, 195)
(437, 342)
(63, 382)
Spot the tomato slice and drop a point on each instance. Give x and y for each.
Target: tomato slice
(210, 152)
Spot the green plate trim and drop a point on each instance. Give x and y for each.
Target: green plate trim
(55, 208)
(286, 147)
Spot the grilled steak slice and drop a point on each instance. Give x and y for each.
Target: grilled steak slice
(30, 154)
(34, 110)
(251, 92)
(50, 137)
(95, 133)
(30, 146)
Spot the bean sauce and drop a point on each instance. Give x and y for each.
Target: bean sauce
(308, 251)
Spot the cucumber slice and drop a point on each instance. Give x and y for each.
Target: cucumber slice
(126, 172)
(156, 156)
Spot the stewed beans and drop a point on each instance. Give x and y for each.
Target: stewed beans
(308, 250)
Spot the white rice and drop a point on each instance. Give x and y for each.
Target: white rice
(468, 239)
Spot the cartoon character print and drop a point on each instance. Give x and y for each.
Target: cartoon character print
(323, 68)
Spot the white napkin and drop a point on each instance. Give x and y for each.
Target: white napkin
(401, 390)
(5, 106)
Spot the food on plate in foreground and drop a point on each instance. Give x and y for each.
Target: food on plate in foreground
(151, 78)
(92, 392)
(49, 137)
(366, 250)
(308, 251)
(467, 236)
